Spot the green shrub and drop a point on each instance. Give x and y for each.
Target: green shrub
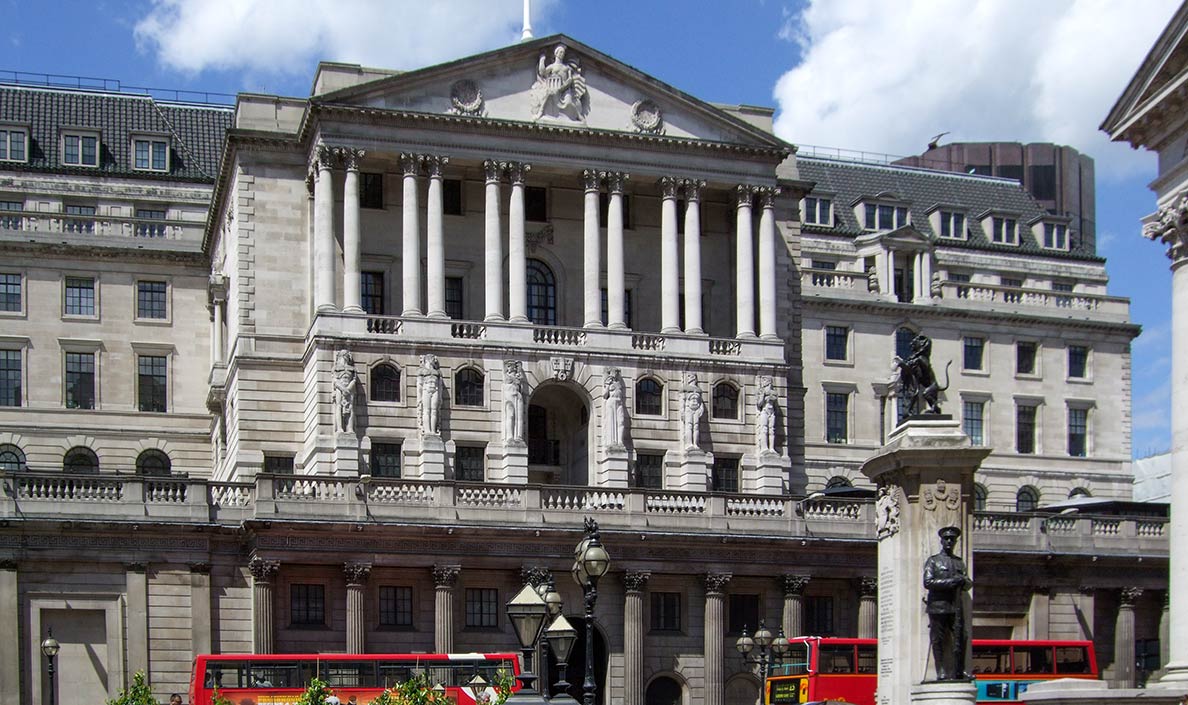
(139, 694)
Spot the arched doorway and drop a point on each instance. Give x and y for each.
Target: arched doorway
(742, 689)
(575, 671)
(664, 690)
(558, 433)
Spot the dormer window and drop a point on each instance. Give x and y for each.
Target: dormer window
(80, 148)
(952, 225)
(14, 144)
(150, 153)
(881, 216)
(818, 211)
(1055, 236)
(1004, 231)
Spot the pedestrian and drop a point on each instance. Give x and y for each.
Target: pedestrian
(175, 699)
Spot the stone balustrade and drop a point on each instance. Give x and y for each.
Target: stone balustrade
(50, 496)
(32, 225)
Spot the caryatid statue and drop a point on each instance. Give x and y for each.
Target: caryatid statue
(513, 401)
(613, 410)
(692, 409)
(429, 395)
(767, 403)
(346, 381)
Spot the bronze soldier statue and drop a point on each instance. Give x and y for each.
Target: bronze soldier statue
(946, 580)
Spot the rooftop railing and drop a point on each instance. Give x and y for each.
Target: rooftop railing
(98, 227)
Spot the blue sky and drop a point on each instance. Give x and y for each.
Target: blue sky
(858, 74)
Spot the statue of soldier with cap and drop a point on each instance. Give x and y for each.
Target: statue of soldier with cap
(946, 580)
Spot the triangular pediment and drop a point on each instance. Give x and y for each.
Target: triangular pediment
(1164, 68)
(905, 237)
(553, 81)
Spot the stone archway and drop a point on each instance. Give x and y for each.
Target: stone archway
(664, 690)
(575, 671)
(742, 689)
(559, 435)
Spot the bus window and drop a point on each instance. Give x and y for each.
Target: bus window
(1033, 659)
(836, 658)
(345, 674)
(796, 661)
(1072, 659)
(867, 658)
(271, 675)
(991, 659)
(391, 674)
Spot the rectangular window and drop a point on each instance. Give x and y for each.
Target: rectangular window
(818, 211)
(151, 155)
(451, 197)
(961, 278)
(818, 615)
(371, 190)
(536, 204)
(837, 412)
(1064, 288)
(150, 300)
(744, 613)
(10, 377)
(80, 380)
(649, 471)
(604, 209)
(1078, 361)
(151, 382)
(385, 460)
(837, 343)
(13, 143)
(80, 296)
(371, 286)
(666, 611)
(80, 149)
(1013, 295)
(10, 292)
(627, 320)
(972, 420)
(952, 225)
(1042, 181)
(1025, 356)
(482, 608)
(395, 606)
(152, 223)
(885, 217)
(10, 215)
(470, 464)
(278, 464)
(1004, 231)
(307, 605)
(79, 219)
(1055, 236)
(974, 349)
(454, 296)
(724, 474)
(1078, 432)
(1025, 417)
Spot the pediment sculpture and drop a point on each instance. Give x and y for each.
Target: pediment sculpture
(560, 88)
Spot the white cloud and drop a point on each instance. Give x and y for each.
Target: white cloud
(281, 36)
(887, 76)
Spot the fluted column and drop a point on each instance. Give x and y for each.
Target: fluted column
(410, 233)
(493, 243)
(435, 235)
(868, 608)
(715, 633)
(517, 262)
(744, 256)
(669, 277)
(445, 577)
(324, 231)
(216, 335)
(263, 633)
(1124, 638)
(591, 247)
(356, 617)
(616, 280)
(767, 255)
(352, 234)
(692, 189)
(633, 637)
(794, 586)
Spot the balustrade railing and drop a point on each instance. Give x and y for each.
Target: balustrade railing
(553, 335)
(100, 226)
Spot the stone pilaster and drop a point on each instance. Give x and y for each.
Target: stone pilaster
(10, 655)
(1124, 638)
(445, 578)
(868, 608)
(263, 633)
(200, 637)
(634, 584)
(793, 619)
(356, 617)
(136, 596)
(715, 633)
(1039, 614)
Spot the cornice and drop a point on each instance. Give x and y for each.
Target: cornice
(116, 250)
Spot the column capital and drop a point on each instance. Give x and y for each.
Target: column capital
(1127, 596)
(745, 194)
(356, 573)
(493, 170)
(794, 584)
(668, 186)
(434, 163)
(592, 179)
(868, 586)
(263, 570)
(518, 171)
(636, 580)
(200, 568)
(692, 188)
(446, 576)
(324, 157)
(350, 157)
(410, 164)
(535, 575)
(616, 181)
(715, 583)
(767, 195)
(1170, 227)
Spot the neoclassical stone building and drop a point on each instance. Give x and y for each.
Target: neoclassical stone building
(435, 318)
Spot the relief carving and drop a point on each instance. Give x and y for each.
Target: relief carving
(429, 386)
(767, 403)
(646, 117)
(613, 411)
(346, 382)
(513, 401)
(560, 88)
(466, 98)
(887, 511)
(692, 409)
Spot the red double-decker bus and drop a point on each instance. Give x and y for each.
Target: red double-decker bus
(280, 679)
(826, 668)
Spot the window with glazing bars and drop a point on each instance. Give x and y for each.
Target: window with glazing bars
(724, 474)
(470, 464)
(371, 292)
(151, 154)
(974, 349)
(1025, 428)
(385, 460)
(666, 611)
(371, 190)
(151, 382)
(10, 292)
(725, 401)
(649, 471)
(972, 420)
(1078, 432)
(482, 608)
(307, 604)
(80, 296)
(454, 296)
(80, 380)
(150, 300)
(10, 377)
(1025, 355)
(1078, 359)
(648, 399)
(468, 387)
(79, 219)
(395, 606)
(627, 320)
(10, 215)
(837, 417)
(385, 383)
(152, 222)
(837, 340)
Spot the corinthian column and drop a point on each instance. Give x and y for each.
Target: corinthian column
(493, 243)
(669, 284)
(591, 245)
(445, 577)
(715, 632)
(356, 618)
(692, 189)
(517, 262)
(744, 256)
(435, 250)
(324, 231)
(868, 608)
(263, 573)
(633, 637)
(767, 272)
(352, 235)
(616, 282)
(794, 586)
(410, 233)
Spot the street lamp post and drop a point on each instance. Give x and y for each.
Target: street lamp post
(527, 612)
(762, 649)
(561, 637)
(50, 648)
(590, 562)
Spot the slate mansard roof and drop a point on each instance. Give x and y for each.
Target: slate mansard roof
(927, 190)
(195, 132)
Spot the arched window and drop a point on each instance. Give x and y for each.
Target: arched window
(663, 691)
(838, 481)
(1026, 499)
(542, 294)
(648, 397)
(903, 342)
(980, 495)
(385, 383)
(725, 401)
(1079, 492)
(468, 387)
(11, 458)
(153, 462)
(80, 460)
